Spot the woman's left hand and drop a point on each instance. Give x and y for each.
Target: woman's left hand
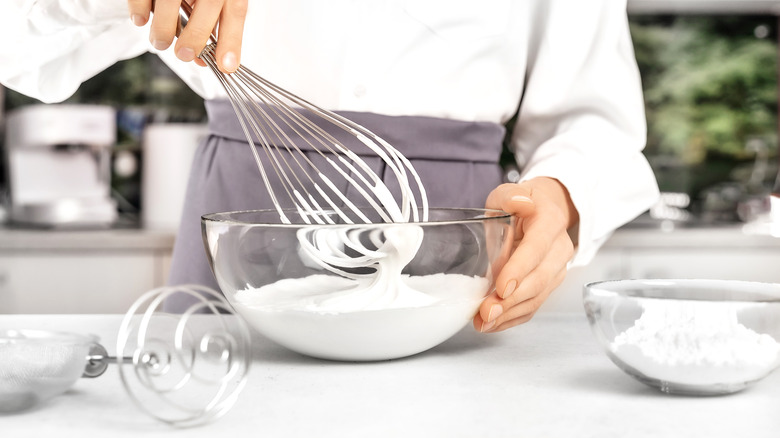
(541, 251)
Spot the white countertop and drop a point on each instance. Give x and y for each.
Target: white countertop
(548, 378)
(726, 236)
(86, 239)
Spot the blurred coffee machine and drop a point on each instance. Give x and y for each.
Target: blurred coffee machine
(58, 165)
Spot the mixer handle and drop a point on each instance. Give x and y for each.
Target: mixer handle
(98, 360)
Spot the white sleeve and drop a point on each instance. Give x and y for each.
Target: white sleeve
(581, 119)
(52, 46)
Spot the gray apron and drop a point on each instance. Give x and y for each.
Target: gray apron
(457, 163)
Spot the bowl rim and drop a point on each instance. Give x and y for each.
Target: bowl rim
(215, 218)
(37, 336)
(759, 291)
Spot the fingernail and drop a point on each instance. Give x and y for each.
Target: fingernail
(495, 312)
(230, 62)
(486, 326)
(159, 44)
(509, 289)
(519, 198)
(185, 54)
(138, 20)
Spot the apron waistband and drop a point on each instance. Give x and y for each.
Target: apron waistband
(416, 137)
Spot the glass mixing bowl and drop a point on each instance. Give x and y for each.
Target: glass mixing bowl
(357, 292)
(36, 365)
(697, 337)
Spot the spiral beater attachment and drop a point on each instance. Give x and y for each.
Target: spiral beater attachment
(185, 369)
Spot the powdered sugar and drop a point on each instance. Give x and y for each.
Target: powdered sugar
(695, 343)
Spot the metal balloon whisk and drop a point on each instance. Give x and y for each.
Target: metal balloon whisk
(305, 153)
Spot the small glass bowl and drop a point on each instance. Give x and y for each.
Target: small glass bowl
(694, 337)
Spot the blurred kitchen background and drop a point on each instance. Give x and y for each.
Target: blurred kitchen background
(710, 76)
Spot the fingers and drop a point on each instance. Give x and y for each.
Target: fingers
(540, 257)
(481, 326)
(231, 31)
(196, 33)
(529, 255)
(544, 238)
(139, 11)
(538, 229)
(534, 270)
(512, 198)
(164, 23)
(497, 314)
(192, 39)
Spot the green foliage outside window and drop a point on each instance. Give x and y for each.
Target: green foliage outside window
(710, 85)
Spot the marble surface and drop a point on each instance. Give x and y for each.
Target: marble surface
(547, 378)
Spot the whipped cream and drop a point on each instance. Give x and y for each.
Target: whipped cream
(362, 307)
(327, 316)
(395, 245)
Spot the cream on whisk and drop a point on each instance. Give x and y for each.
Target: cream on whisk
(385, 289)
(385, 251)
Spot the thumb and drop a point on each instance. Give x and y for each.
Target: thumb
(512, 198)
(519, 205)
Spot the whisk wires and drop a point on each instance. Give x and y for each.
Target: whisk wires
(287, 126)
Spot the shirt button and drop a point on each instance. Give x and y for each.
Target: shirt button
(359, 91)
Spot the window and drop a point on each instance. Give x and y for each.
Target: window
(710, 85)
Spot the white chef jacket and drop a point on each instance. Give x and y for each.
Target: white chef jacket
(568, 64)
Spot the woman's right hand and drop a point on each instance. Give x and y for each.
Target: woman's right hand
(230, 14)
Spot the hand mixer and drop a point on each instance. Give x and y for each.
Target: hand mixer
(285, 124)
(183, 370)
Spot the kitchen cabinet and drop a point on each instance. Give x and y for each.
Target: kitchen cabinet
(104, 271)
(726, 253)
(754, 264)
(75, 282)
(101, 271)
